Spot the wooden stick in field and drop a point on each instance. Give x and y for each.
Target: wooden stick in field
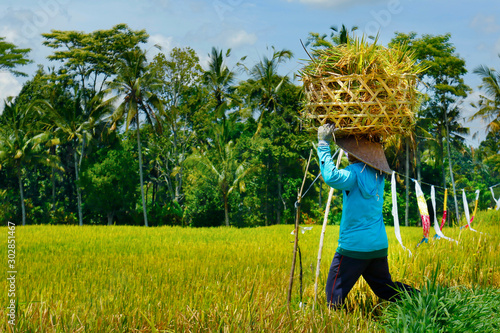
(323, 230)
(296, 231)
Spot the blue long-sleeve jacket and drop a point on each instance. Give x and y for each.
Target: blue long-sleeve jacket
(362, 232)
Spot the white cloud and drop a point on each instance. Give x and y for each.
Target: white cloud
(485, 23)
(9, 86)
(241, 37)
(164, 42)
(10, 35)
(204, 59)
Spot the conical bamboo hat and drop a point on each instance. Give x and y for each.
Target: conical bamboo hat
(369, 152)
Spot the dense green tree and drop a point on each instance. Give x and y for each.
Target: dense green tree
(219, 81)
(489, 104)
(71, 125)
(136, 82)
(488, 153)
(11, 56)
(221, 166)
(110, 182)
(262, 88)
(267, 93)
(21, 143)
(181, 74)
(243, 141)
(40, 89)
(444, 85)
(88, 61)
(91, 58)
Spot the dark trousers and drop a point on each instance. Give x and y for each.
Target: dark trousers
(345, 271)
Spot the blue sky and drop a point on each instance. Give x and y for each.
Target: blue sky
(250, 27)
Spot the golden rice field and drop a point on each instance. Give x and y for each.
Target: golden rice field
(172, 279)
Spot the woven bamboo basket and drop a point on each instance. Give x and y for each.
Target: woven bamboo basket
(373, 105)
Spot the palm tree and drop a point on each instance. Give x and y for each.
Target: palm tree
(337, 37)
(265, 83)
(446, 131)
(439, 126)
(224, 169)
(342, 35)
(263, 90)
(75, 125)
(22, 144)
(489, 104)
(219, 80)
(135, 82)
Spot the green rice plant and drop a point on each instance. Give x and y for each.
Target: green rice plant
(173, 279)
(440, 309)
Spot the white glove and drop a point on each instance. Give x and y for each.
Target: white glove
(325, 134)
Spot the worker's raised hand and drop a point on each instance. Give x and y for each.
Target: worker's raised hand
(325, 133)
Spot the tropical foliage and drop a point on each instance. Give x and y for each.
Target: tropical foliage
(114, 135)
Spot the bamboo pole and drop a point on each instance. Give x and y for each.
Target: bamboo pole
(296, 231)
(323, 230)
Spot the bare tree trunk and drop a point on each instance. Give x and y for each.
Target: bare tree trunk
(417, 157)
(451, 167)
(110, 218)
(278, 210)
(155, 188)
(140, 173)
(441, 152)
(21, 191)
(178, 185)
(78, 193)
(266, 201)
(226, 211)
(178, 176)
(53, 179)
(53, 189)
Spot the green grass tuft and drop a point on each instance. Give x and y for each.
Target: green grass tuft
(441, 309)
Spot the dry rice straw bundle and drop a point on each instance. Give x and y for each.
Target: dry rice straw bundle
(363, 89)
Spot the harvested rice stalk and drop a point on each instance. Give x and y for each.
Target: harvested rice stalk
(363, 89)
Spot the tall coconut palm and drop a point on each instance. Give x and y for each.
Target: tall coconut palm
(135, 82)
(76, 125)
(263, 91)
(265, 83)
(224, 169)
(446, 131)
(441, 124)
(219, 79)
(22, 144)
(489, 104)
